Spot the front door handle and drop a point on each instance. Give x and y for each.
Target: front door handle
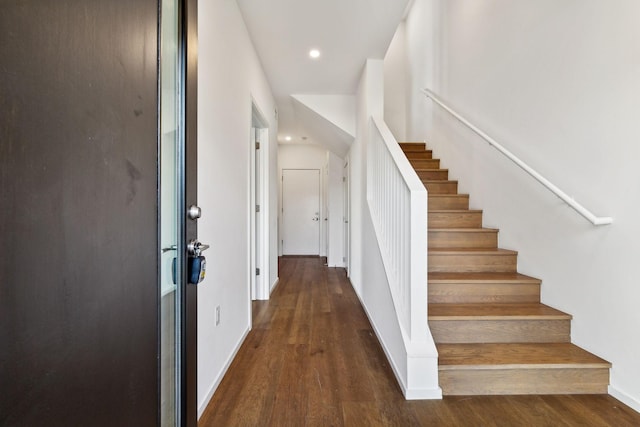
(195, 248)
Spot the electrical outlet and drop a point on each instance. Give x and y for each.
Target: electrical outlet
(217, 315)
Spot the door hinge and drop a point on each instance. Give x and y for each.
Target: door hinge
(257, 208)
(257, 145)
(344, 179)
(257, 271)
(344, 259)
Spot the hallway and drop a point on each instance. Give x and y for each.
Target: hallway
(313, 359)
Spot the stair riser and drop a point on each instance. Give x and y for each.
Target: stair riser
(473, 263)
(461, 239)
(441, 187)
(449, 202)
(409, 147)
(455, 219)
(491, 293)
(524, 381)
(500, 331)
(425, 163)
(442, 174)
(425, 154)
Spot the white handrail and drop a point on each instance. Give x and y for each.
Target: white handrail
(595, 220)
(398, 204)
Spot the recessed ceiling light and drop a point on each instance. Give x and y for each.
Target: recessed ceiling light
(287, 138)
(314, 53)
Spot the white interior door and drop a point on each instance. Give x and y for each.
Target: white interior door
(301, 212)
(345, 216)
(259, 223)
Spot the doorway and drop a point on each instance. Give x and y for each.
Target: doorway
(301, 212)
(259, 222)
(345, 216)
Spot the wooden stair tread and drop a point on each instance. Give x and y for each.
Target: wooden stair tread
(502, 311)
(444, 211)
(466, 230)
(413, 146)
(439, 181)
(419, 154)
(454, 217)
(433, 174)
(471, 251)
(487, 277)
(492, 333)
(516, 356)
(431, 170)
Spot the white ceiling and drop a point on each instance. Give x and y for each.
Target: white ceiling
(346, 32)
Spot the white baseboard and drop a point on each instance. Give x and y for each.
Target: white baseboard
(392, 362)
(625, 398)
(423, 394)
(273, 285)
(207, 398)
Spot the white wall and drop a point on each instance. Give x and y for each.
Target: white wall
(557, 83)
(230, 75)
(340, 110)
(422, 27)
(395, 65)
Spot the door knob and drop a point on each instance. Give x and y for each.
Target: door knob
(194, 212)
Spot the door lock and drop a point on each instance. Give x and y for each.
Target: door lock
(196, 263)
(195, 248)
(194, 212)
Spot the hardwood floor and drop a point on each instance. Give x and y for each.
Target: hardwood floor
(312, 359)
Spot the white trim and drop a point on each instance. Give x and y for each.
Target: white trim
(346, 215)
(625, 398)
(595, 220)
(207, 398)
(273, 285)
(265, 210)
(259, 257)
(251, 214)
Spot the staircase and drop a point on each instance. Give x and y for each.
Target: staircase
(492, 333)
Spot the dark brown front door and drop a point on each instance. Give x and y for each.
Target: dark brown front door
(79, 245)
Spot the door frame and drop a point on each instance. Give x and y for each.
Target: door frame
(189, 229)
(258, 196)
(346, 216)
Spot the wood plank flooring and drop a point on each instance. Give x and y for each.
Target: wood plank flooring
(312, 359)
